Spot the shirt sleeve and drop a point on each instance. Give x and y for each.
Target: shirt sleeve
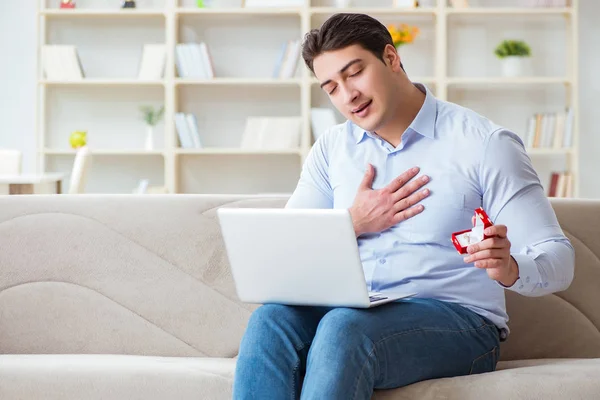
(513, 196)
(313, 189)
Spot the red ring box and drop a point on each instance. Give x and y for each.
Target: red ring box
(463, 239)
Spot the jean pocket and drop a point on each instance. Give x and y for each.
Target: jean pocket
(485, 362)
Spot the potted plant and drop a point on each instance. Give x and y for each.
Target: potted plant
(403, 34)
(151, 117)
(514, 54)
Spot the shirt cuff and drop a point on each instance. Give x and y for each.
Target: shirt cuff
(529, 274)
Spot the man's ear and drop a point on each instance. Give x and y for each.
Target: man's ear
(391, 57)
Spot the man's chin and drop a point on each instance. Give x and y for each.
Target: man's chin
(367, 124)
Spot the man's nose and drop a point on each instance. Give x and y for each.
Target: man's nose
(350, 94)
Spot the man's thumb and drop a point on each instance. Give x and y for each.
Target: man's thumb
(367, 181)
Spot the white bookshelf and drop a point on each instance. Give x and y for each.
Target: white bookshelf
(453, 56)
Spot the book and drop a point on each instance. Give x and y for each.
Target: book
(61, 62)
(287, 60)
(561, 184)
(186, 125)
(194, 60)
(550, 130)
(152, 65)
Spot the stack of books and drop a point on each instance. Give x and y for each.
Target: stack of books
(61, 62)
(550, 130)
(561, 184)
(194, 60)
(187, 130)
(287, 62)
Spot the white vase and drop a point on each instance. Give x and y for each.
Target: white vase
(515, 66)
(149, 143)
(343, 3)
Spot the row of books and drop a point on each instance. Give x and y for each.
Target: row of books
(186, 125)
(194, 60)
(287, 62)
(260, 133)
(561, 184)
(550, 130)
(62, 62)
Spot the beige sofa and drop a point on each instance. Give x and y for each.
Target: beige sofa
(130, 297)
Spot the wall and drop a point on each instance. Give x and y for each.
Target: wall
(17, 78)
(589, 83)
(17, 86)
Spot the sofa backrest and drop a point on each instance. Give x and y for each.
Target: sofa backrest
(148, 275)
(564, 324)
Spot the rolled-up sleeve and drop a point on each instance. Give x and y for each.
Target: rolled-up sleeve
(514, 196)
(313, 189)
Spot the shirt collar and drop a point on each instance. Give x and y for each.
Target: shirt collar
(424, 122)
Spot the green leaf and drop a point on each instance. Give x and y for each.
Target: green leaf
(512, 48)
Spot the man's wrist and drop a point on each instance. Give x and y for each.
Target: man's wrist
(513, 274)
(357, 228)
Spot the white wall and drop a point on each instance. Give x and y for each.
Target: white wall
(17, 85)
(589, 82)
(17, 78)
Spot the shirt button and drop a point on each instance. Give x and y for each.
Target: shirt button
(396, 243)
(527, 280)
(546, 284)
(521, 287)
(382, 261)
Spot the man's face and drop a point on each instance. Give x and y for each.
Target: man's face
(358, 83)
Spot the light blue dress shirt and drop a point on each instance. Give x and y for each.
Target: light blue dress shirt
(472, 162)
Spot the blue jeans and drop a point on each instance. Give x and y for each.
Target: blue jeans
(291, 352)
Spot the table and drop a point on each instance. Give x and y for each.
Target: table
(50, 183)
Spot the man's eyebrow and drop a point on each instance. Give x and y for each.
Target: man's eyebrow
(356, 60)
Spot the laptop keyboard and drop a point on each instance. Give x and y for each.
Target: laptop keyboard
(375, 298)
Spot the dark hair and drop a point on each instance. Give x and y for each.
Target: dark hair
(343, 30)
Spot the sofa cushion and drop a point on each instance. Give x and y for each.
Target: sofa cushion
(524, 380)
(91, 377)
(152, 378)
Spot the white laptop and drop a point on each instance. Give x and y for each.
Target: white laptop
(297, 257)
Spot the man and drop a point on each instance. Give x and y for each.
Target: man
(411, 169)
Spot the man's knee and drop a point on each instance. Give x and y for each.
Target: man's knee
(268, 315)
(343, 328)
(347, 322)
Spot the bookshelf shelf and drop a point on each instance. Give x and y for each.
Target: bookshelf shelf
(107, 152)
(396, 11)
(533, 80)
(239, 11)
(239, 81)
(508, 11)
(101, 82)
(237, 151)
(544, 152)
(105, 13)
(453, 56)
